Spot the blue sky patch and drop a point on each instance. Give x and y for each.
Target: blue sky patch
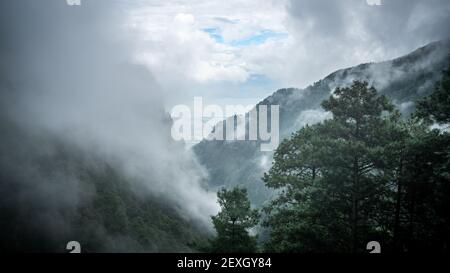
(256, 39)
(259, 38)
(215, 34)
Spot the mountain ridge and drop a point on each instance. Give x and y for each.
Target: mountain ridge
(404, 80)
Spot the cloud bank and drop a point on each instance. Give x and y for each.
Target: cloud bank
(67, 76)
(207, 45)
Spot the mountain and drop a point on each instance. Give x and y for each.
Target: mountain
(85, 148)
(54, 191)
(404, 80)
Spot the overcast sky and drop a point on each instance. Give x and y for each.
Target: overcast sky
(66, 74)
(247, 49)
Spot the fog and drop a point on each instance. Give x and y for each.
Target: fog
(67, 76)
(331, 35)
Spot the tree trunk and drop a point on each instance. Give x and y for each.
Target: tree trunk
(398, 206)
(233, 242)
(355, 207)
(355, 196)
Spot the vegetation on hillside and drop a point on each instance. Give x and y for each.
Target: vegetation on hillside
(364, 175)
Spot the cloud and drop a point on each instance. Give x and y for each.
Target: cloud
(205, 53)
(71, 73)
(291, 43)
(68, 77)
(184, 51)
(309, 117)
(330, 35)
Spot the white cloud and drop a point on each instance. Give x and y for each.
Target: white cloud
(181, 50)
(189, 45)
(176, 47)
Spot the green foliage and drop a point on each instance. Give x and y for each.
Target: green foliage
(436, 107)
(119, 219)
(358, 177)
(403, 80)
(96, 204)
(424, 219)
(233, 222)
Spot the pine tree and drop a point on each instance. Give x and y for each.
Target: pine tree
(233, 222)
(332, 176)
(435, 108)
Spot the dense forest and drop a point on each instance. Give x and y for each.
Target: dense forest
(403, 80)
(366, 174)
(87, 152)
(85, 147)
(97, 205)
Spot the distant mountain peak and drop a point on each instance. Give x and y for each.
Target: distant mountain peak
(404, 80)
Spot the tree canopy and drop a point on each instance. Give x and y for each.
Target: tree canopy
(364, 175)
(233, 222)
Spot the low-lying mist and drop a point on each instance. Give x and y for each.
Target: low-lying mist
(67, 80)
